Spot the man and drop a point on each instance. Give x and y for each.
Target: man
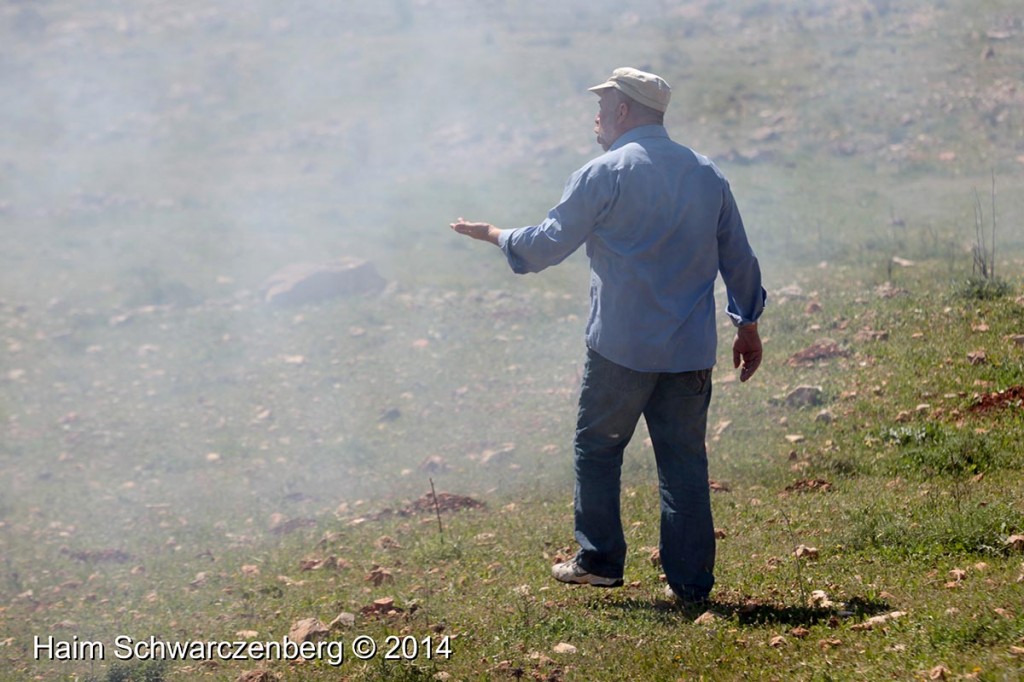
(659, 223)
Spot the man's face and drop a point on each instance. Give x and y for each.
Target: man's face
(606, 123)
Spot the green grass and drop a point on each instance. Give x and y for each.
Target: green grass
(174, 454)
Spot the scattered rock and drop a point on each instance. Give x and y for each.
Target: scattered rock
(804, 396)
(564, 648)
(708, 618)
(343, 620)
(887, 290)
(799, 632)
(434, 464)
(497, 455)
(257, 676)
(1015, 543)
(866, 335)
(379, 575)
(977, 357)
(819, 599)
(301, 283)
(381, 607)
(386, 542)
(805, 552)
(308, 630)
(389, 414)
(878, 621)
(824, 417)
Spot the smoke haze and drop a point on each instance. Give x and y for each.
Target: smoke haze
(159, 161)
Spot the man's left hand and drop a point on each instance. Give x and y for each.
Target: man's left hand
(747, 349)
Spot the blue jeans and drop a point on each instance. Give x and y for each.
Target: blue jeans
(675, 407)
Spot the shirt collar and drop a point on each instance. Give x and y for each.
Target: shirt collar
(638, 133)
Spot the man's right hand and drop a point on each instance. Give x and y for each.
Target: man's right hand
(747, 349)
(485, 232)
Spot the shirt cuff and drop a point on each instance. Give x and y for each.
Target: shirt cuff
(739, 320)
(514, 261)
(503, 237)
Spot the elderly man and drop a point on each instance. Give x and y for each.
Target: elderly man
(659, 223)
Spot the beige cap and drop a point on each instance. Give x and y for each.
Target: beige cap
(646, 88)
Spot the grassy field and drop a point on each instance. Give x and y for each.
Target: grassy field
(181, 462)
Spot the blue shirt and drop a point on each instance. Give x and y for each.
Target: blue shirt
(659, 223)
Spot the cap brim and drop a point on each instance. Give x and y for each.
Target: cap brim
(603, 86)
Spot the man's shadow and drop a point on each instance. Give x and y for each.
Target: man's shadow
(753, 612)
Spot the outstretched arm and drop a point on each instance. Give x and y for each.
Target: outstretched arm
(485, 232)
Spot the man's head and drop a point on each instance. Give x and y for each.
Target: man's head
(629, 98)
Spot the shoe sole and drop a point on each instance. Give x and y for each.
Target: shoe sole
(603, 582)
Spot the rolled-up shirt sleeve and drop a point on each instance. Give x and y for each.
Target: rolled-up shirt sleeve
(566, 228)
(740, 269)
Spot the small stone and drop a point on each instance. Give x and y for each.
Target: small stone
(343, 620)
(803, 396)
(805, 552)
(308, 630)
(311, 282)
(707, 618)
(819, 599)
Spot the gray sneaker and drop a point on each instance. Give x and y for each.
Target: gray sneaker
(571, 572)
(674, 596)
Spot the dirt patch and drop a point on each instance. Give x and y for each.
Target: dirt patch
(95, 556)
(446, 502)
(809, 485)
(1010, 397)
(823, 349)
